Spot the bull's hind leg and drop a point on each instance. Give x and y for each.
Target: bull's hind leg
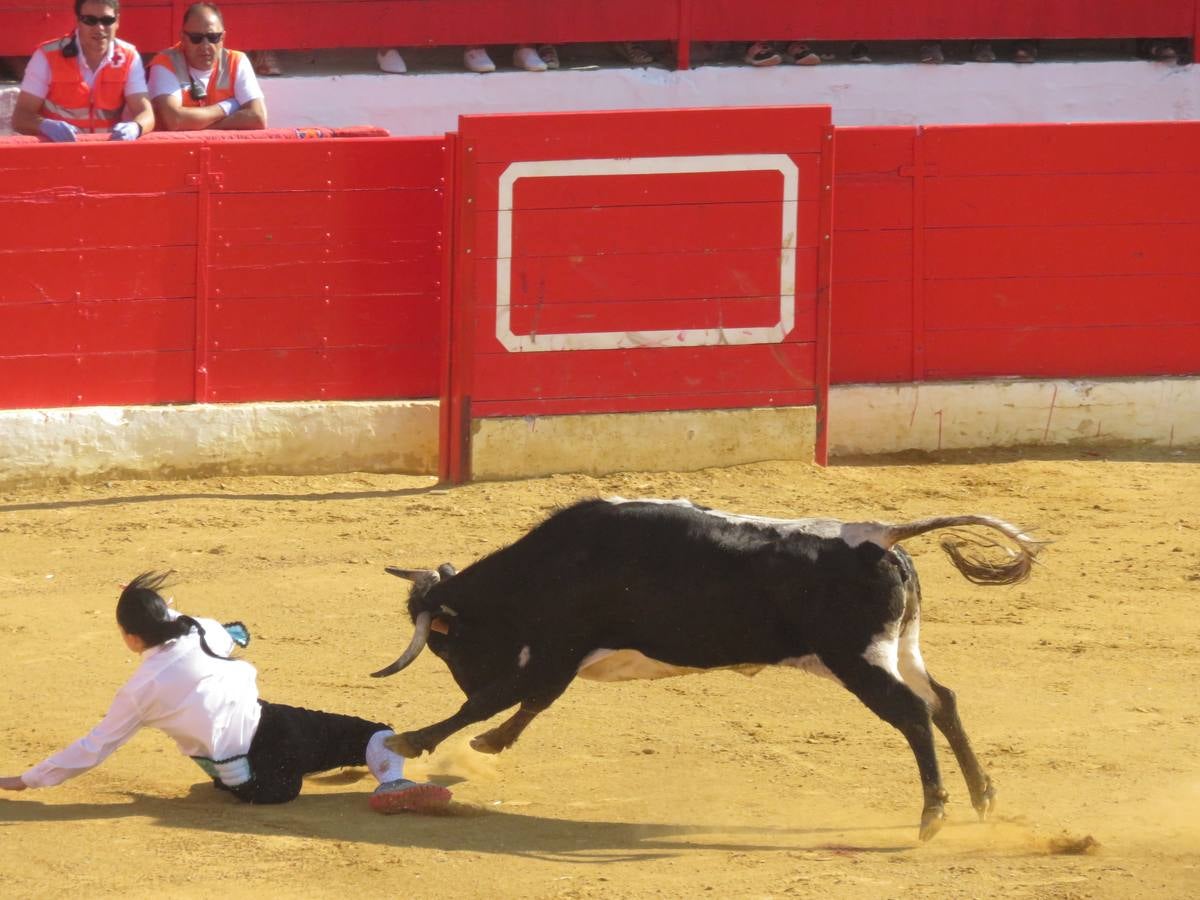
(892, 700)
(505, 734)
(944, 709)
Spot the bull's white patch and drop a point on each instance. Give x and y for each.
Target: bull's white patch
(884, 651)
(912, 665)
(523, 657)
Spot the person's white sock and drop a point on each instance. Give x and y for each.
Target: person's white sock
(385, 764)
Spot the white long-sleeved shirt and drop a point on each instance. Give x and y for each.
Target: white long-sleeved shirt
(209, 706)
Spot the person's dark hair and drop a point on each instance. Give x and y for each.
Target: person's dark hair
(115, 4)
(196, 7)
(142, 611)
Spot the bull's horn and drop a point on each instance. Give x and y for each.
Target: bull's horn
(415, 646)
(425, 578)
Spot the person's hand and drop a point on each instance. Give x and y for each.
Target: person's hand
(57, 130)
(12, 784)
(230, 106)
(126, 131)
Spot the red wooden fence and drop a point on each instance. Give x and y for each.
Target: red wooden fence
(177, 271)
(654, 260)
(1016, 250)
(305, 24)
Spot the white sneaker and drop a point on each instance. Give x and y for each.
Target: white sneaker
(527, 58)
(476, 59)
(391, 61)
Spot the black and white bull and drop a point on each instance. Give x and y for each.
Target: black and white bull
(622, 589)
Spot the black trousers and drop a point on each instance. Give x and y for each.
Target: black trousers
(292, 742)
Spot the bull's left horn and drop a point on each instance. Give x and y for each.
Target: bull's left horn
(415, 646)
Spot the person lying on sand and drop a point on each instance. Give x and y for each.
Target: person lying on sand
(188, 687)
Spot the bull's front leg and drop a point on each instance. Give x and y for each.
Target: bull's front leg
(479, 706)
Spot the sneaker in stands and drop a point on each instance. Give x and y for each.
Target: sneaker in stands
(476, 59)
(549, 55)
(527, 58)
(391, 61)
(859, 53)
(403, 795)
(761, 53)
(266, 63)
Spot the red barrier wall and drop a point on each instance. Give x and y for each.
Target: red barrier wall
(1018, 250)
(630, 261)
(304, 24)
(176, 271)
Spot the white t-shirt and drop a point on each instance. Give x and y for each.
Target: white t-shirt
(164, 81)
(209, 706)
(37, 73)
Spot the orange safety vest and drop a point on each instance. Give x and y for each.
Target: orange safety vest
(220, 84)
(93, 109)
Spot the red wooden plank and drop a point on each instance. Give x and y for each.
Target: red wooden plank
(1080, 301)
(26, 24)
(110, 326)
(861, 307)
(352, 373)
(870, 202)
(871, 256)
(645, 133)
(643, 372)
(1065, 352)
(316, 322)
(1095, 148)
(651, 229)
(1065, 199)
(331, 271)
(141, 168)
(661, 403)
(121, 273)
(668, 315)
(1067, 250)
(84, 221)
(657, 276)
(879, 357)
(112, 379)
(873, 150)
(339, 165)
(291, 217)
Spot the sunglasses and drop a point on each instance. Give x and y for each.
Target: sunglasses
(106, 21)
(213, 37)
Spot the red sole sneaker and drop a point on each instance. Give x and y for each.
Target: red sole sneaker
(414, 798)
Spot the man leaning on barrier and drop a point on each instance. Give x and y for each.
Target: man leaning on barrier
(85, 82)
(200, 84)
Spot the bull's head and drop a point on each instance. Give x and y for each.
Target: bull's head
(423, 580)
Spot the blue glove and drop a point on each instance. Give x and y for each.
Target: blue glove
(58, 130)
(126, 131)
(230, 106)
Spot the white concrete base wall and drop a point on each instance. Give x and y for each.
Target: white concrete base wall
(169, 441)
(659, 441)
(873, 419)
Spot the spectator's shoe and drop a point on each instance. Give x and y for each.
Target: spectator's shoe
(859, 53)
(403, 795)
(527, 58)
(981, 51)
(549, 55)
(802, 54)
(634, 53)
(391, 61)
(761, 53)
(931, 54)
(1024, 52)
(266, 63)
(476, 59)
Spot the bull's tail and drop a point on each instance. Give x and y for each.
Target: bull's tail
(983, 560)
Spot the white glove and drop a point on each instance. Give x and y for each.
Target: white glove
(126, 131)
(230, 106)
(57, 130)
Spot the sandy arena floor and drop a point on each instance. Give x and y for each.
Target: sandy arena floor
(1078, 688)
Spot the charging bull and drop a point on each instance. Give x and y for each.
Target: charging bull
(622, 589)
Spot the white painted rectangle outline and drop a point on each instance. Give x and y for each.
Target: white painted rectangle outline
(648, 165)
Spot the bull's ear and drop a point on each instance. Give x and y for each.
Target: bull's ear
(425, 578)
(445, 570)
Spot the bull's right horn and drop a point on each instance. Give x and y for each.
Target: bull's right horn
(415, 646)
(422, 578)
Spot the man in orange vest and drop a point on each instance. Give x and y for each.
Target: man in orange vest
(199, 83)
(85, 82)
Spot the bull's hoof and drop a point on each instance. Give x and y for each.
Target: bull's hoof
(932, 820)
(403, 744)
(482, 743)
(985, 803)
